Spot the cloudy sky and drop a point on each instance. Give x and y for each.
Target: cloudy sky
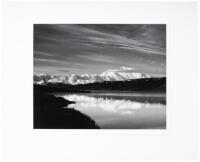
(60, 49)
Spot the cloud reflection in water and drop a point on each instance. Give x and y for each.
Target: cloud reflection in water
(110, 112)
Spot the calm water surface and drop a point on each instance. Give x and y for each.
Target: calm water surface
(122, 110)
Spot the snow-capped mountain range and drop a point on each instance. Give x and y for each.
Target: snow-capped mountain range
(121, 74)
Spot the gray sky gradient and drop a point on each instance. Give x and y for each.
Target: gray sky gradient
(60, 49)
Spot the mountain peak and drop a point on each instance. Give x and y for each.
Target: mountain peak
(122, 69)
(126, 68)
(121, 74)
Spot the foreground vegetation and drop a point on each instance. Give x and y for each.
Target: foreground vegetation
(51, 112)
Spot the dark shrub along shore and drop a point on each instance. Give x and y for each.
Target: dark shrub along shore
(51, 112)
(139, 85)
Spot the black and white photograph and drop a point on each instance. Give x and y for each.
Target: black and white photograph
(100, 81)
(99, 76)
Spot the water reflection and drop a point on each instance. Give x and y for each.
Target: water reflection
(121, 110)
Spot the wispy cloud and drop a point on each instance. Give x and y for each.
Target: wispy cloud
(97, 58)
(93, 48)
(40, 53)
(62, 70)
(48, 60)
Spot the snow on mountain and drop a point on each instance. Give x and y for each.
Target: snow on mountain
(121, 74)
(61, 79)
(42, 78)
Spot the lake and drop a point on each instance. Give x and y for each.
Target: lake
(121, 110)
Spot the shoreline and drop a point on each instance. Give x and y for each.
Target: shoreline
(49, 113)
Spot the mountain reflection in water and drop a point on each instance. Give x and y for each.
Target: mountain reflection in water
(122, 110)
